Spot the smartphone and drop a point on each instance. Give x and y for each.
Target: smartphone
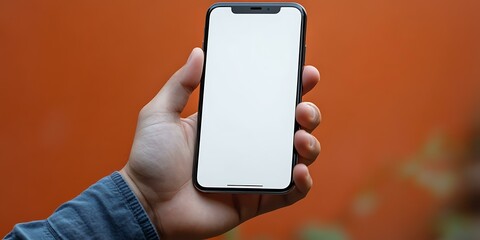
(251, 85)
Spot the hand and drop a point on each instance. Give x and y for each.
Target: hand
(159, 170)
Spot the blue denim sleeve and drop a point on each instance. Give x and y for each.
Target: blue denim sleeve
(106, 210)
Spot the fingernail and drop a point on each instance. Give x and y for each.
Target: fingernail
(190, 57)
(313, 112)
(312, 142)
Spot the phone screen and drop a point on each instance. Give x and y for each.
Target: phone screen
(249, 94)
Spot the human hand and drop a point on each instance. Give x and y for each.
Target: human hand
(159, 170)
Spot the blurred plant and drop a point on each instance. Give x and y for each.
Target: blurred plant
(461, 218)
(233, 234)
(326, 232)
(365, 203)
(454, 226)
(433, 167)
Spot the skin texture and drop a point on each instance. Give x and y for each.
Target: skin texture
(159, 170)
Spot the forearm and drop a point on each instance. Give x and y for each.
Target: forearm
(106, 210)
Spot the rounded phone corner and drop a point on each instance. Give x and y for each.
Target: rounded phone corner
(215, 5)
(287, 189)
(298, 6)
(198, 186)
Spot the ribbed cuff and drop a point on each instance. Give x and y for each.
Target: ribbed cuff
(135, 207)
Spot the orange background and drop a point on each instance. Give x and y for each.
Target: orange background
(74, 75)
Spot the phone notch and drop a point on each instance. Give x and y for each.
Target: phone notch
(260, 9)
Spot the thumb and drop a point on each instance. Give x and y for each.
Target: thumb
(174, 94)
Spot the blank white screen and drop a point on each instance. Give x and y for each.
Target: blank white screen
(249, 99)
